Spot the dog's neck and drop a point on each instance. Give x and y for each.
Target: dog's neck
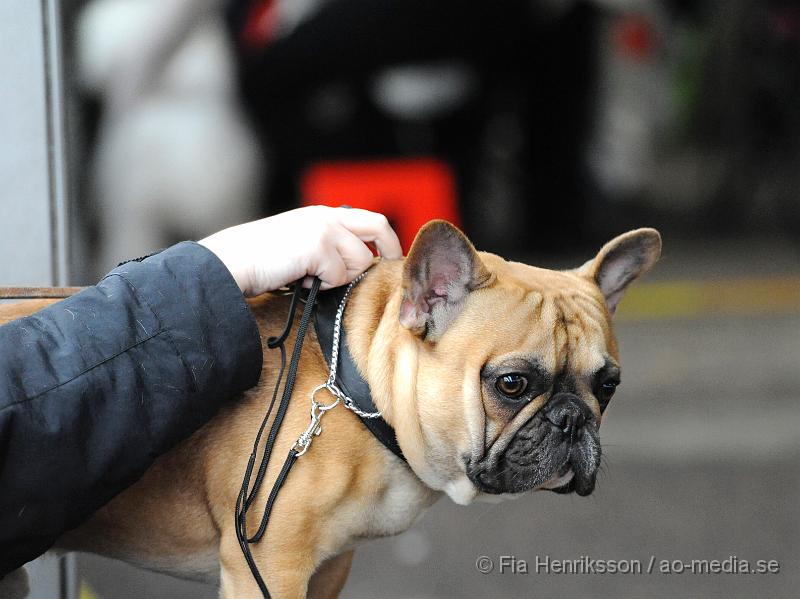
(386, 354)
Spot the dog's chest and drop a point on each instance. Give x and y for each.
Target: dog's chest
(398, 505)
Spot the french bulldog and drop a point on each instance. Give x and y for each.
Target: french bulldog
(493, 374)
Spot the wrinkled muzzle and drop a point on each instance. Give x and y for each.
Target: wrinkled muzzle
(557, 449)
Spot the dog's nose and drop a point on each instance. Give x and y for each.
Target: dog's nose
(568, 413)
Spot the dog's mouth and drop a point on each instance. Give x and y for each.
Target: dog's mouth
(542, 456)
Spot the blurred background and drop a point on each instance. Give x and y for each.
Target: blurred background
(543, 128)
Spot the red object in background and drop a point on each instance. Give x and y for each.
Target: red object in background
(785, 22)
(409, 192)
(635, 37)
(261, 23)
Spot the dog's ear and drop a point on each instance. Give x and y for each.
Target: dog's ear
(441, 268)
(622, 260)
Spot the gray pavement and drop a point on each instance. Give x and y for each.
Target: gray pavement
(702, 445)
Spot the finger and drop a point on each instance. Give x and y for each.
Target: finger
(332, 270)
(371, 227)
(355, 254)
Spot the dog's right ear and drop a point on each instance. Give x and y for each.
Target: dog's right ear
(441, 268)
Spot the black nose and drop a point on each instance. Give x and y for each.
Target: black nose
(568, 413)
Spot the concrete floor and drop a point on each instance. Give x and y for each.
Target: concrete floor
(702, 444)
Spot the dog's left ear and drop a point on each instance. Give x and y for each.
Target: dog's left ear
(622, 260)
(441, 268)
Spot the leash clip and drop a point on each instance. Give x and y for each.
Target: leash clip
(317, 412)
(314, 428)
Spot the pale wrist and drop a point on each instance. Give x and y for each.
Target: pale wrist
(230, 259)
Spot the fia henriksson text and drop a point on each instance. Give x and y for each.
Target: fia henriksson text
(544, 564)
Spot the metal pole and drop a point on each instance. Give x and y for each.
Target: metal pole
(33, 186)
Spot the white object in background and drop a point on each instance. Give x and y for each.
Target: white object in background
(175, 154)
(632, 105)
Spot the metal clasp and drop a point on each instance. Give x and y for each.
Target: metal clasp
(304, 441)
(317, 412)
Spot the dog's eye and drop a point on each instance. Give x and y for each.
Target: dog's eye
(608, 388)
(606, 391)
(512, 385)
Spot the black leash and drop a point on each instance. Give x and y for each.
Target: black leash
(348, 388)
(245, 500)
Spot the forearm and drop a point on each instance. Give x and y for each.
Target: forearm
(96, 386)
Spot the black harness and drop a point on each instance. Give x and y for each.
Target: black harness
(348, 379)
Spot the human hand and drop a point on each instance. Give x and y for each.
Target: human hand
(315, 241)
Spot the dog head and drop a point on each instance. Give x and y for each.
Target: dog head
(503, 371)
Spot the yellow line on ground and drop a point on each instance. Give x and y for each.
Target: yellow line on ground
(86, 592)
(692, 299)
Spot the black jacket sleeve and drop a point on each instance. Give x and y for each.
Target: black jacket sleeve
(93, 388)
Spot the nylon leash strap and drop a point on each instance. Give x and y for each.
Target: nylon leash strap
(245, 499)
